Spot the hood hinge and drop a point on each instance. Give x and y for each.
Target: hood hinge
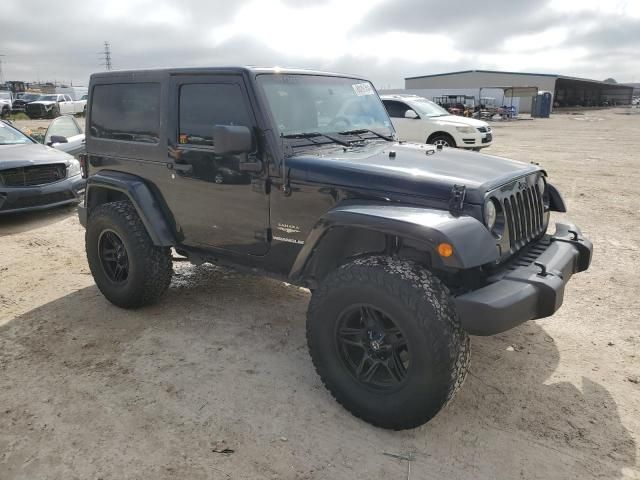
(456, 200)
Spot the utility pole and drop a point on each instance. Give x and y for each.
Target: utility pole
(107, 55)
(1, 73)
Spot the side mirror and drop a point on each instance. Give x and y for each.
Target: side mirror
(410, 114)
(57, 139)
(229, 139)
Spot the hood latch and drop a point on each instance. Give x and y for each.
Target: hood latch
(456, 200)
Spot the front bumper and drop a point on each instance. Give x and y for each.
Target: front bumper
(476, 140)
(23, 199)
(526, 290)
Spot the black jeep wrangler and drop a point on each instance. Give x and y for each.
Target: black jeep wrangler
(407, 249)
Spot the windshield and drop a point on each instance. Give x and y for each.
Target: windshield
(30, 96)
(11, 136)
(48, 98)
(317, 104)
(426, 108)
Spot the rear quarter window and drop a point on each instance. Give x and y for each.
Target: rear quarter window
(126, 112)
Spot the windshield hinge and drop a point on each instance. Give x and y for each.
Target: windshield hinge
(456, 200)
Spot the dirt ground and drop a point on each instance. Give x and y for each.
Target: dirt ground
(90, 391)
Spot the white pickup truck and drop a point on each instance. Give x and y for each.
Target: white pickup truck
(54, 105)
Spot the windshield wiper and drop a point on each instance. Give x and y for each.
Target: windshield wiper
(310, 135)
(360, 131)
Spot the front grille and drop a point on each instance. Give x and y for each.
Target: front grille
(38, 201)
(35, 109)
(524, 216)
(32, 175)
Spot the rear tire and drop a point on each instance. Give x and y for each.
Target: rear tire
(426, 350)
(127, 267)
(443, 139)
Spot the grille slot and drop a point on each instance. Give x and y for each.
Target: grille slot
(524, 215)
(32, 175)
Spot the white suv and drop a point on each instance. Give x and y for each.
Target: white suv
(419, 120)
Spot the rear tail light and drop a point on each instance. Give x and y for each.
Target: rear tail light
(83, 158)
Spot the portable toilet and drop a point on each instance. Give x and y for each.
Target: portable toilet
(541, 105)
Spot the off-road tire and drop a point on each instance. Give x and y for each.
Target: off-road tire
(423, 308)
(442, 137)
(150, 267)
(5, 112)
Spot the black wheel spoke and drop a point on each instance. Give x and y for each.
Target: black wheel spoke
(351, 336)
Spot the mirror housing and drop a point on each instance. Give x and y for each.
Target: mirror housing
(410, 114)
(57, 139)
(231, 139)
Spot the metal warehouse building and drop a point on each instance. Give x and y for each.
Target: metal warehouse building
(567, 91)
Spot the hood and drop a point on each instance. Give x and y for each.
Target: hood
(455, 119)
(14, 156)
(42, 102)
(410, 172)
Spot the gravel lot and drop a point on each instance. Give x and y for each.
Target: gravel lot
(91, 391)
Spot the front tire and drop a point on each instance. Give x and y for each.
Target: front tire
(127, 267)
(442, 139)
(415, 339)
(55, 112)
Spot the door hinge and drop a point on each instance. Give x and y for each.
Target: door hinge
(456, 200)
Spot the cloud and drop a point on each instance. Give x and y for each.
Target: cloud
(384, 40)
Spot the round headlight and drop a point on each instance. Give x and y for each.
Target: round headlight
(490, 214)
(541, 184)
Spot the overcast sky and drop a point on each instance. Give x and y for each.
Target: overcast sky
(384, 40)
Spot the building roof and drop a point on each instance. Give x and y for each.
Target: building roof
(554, 75)
(483, 71)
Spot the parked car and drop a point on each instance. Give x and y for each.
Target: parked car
(20, 103)
(6, 101)
(35, 176)
(53, 105)
(406, 249)
(419, 120)
(64, 133)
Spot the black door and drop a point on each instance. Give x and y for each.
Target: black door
(215, 204)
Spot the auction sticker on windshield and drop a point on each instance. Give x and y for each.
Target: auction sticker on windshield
(363, 89)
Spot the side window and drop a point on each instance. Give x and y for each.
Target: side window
(203, 105)
(396, 109)
(126, 111)
(63, 126)
(67, 98)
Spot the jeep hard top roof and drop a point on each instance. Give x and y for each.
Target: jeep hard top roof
(249, 70)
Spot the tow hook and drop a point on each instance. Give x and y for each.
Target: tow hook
(542, 267)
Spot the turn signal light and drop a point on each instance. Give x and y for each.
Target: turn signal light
(445, 249)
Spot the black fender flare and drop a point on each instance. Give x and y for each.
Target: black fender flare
(142, 198)
(473, 245)
(556, 202)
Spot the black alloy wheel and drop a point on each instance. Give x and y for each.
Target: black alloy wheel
(113, 256)
(372, 347)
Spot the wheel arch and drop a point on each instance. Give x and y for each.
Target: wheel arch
(440, 133)
(411, 232)
(110, 186)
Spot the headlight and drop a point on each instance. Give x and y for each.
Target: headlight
(541, 184)
(74, 168)
(490, 214)
(465, 129)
